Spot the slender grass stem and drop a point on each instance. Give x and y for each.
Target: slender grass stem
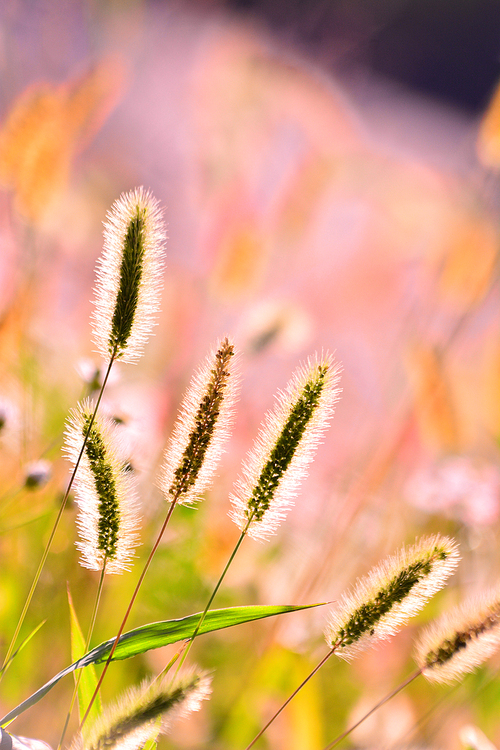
(378, 705)
(129, 608)
(285, 704)
(58, 518)
(86, 648)
(212, 597)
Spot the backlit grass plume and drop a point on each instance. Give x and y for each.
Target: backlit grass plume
(461, 640)
(145, 712)
(203, 426)
(284, 448)
(129, 276)
(390, 594)
(108, 518)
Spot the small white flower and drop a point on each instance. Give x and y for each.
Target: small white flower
(37, 473)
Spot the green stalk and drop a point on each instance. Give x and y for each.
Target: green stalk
(87, 645)
(387, 698)
(285, 704)
(129, 608)
(212, 597)
(56, 523)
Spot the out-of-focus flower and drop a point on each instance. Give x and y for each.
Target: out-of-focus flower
(10, 422)
(92, 374)
(280, 325)
(37, 473)
(459, 488)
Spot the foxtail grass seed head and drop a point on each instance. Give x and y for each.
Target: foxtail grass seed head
(284, 448)
(129, 276)
(390, 594)
(460, 640)
(204, 424)
(108, 519)
(146, 711)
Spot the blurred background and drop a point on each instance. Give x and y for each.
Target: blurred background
(329, 172)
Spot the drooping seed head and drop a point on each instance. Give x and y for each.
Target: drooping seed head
(460, 640)
(204, 424)
(129, 276)
(108, 518)
(284, 448)
(145, 712)
(390, 594)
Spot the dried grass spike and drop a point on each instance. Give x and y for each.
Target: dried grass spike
(108, 518)
(390, 594)
(129, 276)
(204, 424)
(460, 640)
(284, 448)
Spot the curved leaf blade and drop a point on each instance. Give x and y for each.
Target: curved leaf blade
(155, 635)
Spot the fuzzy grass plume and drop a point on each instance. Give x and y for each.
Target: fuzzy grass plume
(204, 424)
(129, 276)
(460, 640)
(390, 594)
(108, 518)
(146, 711)
(284, 448)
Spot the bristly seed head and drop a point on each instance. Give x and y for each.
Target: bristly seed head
(129, 276)
(146, 711)
(108, 518)
(286, 444)
(204, 424)
(390, 594)
(460, 640)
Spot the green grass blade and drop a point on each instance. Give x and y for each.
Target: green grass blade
(20, 648)
(158, 634)
(88, 679)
